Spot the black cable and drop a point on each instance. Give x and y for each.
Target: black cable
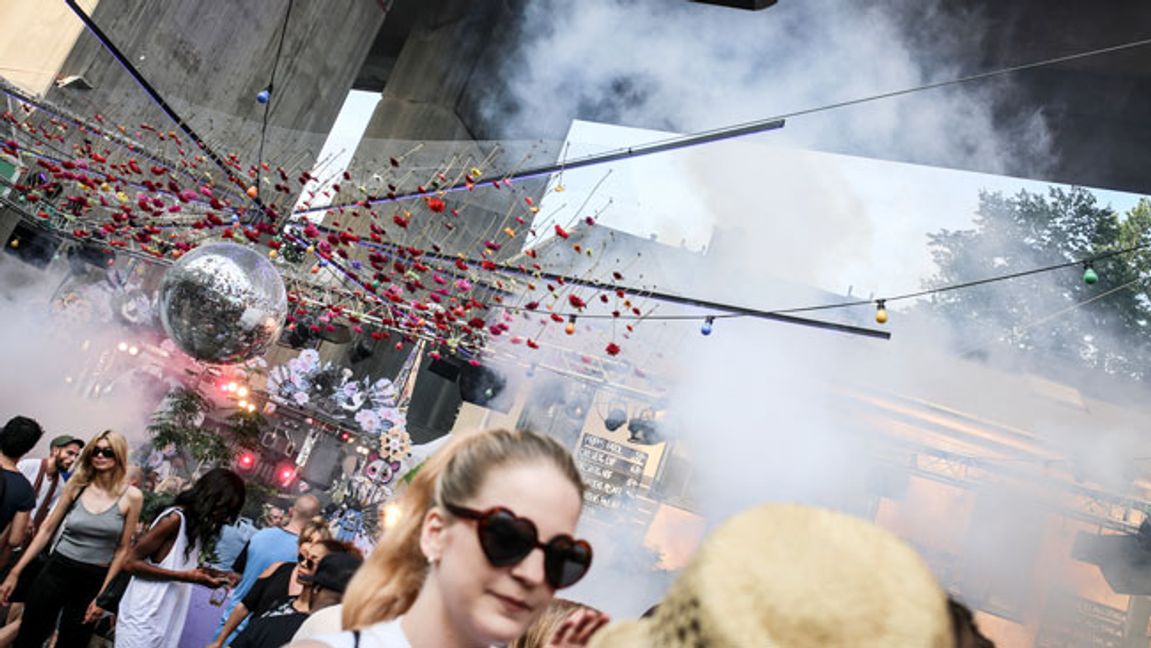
(737, 130)
(152, 93)
(271, 94)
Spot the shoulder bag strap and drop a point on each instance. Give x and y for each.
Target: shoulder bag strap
(64, 521)
(40, 475)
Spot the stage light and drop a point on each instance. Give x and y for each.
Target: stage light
(286, 474)
(133, 350)
(392, 515)
(123, 346)
(243, 404)
(615, 419)
(361, 350)
(644, 429)
(251, 408)
(246, 461)
(242, 391)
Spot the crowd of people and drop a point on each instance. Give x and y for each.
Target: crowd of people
(485, 538)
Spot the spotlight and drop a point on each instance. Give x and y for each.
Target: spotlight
(614, 419)
(242, 391)
(246, 461)
(123, 346)
(644, 430)
(483, 386)
(391, 515)
(286, 474)
(133, 350)
(361, 350)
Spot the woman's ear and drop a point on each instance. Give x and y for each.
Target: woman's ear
(433, 534)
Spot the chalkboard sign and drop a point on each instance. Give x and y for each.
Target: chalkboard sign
(610, 470)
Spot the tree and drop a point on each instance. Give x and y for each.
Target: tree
(1055, 314)
(182, 422)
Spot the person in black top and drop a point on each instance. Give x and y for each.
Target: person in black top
(325, 587)
(19, 436)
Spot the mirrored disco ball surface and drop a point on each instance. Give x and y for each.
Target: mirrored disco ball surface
(223, 303)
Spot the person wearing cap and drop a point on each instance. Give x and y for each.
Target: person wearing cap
(47, 474)
(782, 575)
(327, 597)
(325, 588)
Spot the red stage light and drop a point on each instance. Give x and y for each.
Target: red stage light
(246, 461)
(286, 474)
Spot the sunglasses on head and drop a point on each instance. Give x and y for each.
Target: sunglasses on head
(507, 539)
(107, 453)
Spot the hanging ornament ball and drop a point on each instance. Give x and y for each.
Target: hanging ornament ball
(1090, 277)
(253, 192)
(223, 303)
(263, 96)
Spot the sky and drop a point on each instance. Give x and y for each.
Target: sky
(873, 216)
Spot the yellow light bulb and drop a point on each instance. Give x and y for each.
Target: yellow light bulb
(881, 311)
(570, 328)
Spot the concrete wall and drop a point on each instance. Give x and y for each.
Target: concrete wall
(209, 59)
(35, 38)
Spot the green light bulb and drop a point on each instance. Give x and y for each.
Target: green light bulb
(1090, 277)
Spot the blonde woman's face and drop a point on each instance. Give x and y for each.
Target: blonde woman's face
(497, 604)
(103, 456)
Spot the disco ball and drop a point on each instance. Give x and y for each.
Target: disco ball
(223, 303)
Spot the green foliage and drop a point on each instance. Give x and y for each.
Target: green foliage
(256, 496)
(1101, 326)
(183, 423)
(154, 503)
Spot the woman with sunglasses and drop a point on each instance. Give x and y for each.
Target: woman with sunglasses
(280, 580)
(95, 516)
(165, 562)
(483, 543)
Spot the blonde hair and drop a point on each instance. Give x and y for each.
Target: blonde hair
(389, 580)
(84, 472)
(540, 632)
(316, 530)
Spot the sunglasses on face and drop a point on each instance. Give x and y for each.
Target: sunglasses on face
(305, 561)
(507, 539)
(107, 453)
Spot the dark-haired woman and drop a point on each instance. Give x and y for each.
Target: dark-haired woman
(164, 563)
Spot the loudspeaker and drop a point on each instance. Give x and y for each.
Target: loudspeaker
(323, 462)
(31, 245)
(445, 368)
(483, 386)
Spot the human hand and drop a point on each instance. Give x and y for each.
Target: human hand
(7, 586)
(94, 612)
(577, 629)
(209, 579)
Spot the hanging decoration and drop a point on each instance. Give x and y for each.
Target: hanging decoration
(223, 303)
(328, 389)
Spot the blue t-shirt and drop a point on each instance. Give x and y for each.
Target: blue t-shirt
(18, 496)
(267, 546)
